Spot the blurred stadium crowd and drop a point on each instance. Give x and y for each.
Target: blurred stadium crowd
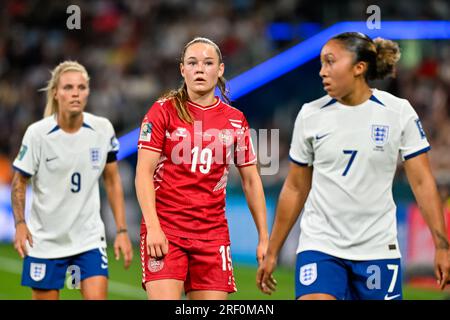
(131, 49)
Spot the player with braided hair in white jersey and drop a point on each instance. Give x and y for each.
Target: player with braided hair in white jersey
(344, 153)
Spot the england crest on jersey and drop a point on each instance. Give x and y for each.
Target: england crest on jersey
(37, 271)
(380, 134)
(308, 274)
(95, 157)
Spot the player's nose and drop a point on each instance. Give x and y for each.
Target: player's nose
(200, 68)
(323, 73)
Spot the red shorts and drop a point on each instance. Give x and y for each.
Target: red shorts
(201, 264)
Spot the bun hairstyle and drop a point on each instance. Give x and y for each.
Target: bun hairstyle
(380, 54)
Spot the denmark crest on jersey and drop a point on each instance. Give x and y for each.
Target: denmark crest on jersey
(37, 271)
(155, 265)
(226, 137)
(380, 134)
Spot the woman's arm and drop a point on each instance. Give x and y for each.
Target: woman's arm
(254, 193)
(157, 244)
(425, 191)
(18, 191)
(113, 186)
(290, 203)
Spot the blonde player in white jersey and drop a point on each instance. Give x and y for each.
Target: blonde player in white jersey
(344, 153)
(64, 155)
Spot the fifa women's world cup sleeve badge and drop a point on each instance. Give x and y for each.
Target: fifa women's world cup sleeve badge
(146, 132)
(23, 150)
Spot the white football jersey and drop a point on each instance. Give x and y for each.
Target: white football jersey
(350, 212)
(65, 168)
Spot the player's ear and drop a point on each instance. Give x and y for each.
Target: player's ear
(182, 69)
(221, 69)
(359, 68)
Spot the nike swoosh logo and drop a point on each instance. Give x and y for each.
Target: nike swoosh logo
(320, 137)
(387, 297)
(50, 159)
(104, 266)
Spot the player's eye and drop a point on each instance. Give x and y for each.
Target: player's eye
(191, 63)
(67, 87)
(327, 62)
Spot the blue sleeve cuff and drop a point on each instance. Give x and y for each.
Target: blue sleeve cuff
(415, 154)
(298, 162)
(22, 172)
(112, 156)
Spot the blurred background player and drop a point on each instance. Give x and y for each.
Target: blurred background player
(188, 139)
(64, 156)
(344, 154)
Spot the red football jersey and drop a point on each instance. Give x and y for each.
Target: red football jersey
(191, 176)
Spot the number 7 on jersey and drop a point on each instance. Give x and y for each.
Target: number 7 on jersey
(352, 154)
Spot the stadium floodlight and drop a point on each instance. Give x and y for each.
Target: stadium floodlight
(307, 50)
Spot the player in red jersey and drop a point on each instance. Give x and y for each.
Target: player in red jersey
(188, 139)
